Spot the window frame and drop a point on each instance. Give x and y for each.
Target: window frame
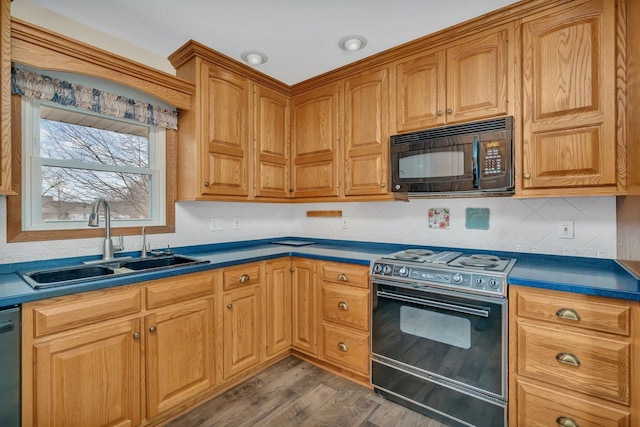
(33, 161)
(15, 231)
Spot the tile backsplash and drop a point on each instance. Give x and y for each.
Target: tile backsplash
(521, 225)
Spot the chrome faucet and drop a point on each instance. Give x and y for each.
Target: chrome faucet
(94, 221)
(143, 250)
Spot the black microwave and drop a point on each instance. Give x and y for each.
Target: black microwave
(466, 159)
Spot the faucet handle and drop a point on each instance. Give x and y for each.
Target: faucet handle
(120, 245)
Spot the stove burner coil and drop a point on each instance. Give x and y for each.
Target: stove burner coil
(485, 261)
(420, 252)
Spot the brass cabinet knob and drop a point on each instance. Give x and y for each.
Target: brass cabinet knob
(342, 346)
(568, 314)
(383, 184)
(152, 329)
(527, 175)
(229, 306)
(343, 306)
(439, 112)
(343, 277)
(449, 111)
(568, 359)
(136, 335)
(206, 183)
(567, 422)
(244, 278)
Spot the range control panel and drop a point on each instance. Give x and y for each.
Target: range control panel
(452, 278)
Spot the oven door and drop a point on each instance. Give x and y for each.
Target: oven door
(459, 339)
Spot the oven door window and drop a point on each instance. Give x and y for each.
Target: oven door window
(439, 327)
(456, 338)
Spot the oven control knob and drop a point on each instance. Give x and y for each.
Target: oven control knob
(457, 278)
(377, 268)
(386, 269)
(493, 283)
(403, 271)
(479, 282)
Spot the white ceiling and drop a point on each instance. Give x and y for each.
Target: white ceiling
(300, 37)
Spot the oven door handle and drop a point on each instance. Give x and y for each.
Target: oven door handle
(482, 312)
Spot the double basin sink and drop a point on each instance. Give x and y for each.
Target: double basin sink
(63, 276)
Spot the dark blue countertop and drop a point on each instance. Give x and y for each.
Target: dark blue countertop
(578, 275)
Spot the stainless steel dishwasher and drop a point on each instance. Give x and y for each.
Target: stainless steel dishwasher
(10, 367)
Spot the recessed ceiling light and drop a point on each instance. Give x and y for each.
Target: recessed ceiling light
(352, 43)
(253, 57)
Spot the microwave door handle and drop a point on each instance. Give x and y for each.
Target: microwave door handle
(476, 161)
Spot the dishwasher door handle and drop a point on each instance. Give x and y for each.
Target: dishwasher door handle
(6, 326)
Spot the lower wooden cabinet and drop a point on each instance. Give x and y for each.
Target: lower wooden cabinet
(572, 359)
(139, 354)
(277, 307)
(241, 345)
(179, 356)
(88, 378)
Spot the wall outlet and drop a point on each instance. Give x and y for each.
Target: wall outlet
(236, 223)
(345, 222)
(215, 224)
(565, 229)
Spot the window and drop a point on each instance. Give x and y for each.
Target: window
(72, 156)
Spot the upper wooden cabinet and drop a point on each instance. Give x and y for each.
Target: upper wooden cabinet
(366, 134)
(5, 97)
(467, 80)
(225, 128)
(233, 144)
(271, 136)
(314, 147)
(569, 143)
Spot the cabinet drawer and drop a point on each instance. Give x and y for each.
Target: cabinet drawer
(61, 314)
(596, 366)
(346, 274)
(597, 314)
(346, 347)
(346, 305)
(244, 275)
(538, 406)
(172, 289)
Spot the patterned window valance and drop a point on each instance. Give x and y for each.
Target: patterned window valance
(33, 85)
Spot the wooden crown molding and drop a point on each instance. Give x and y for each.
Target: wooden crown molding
(38, 47)
(193, 49)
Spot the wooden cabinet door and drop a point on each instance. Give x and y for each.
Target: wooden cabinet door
(477, 77)
(91, 378)
(241, 321)
(5, 97)
(303, 302)
(278, 307)
(568, 79)
(314, 135)
(179, 354)
(420, 92)
(366, 134)
(272, 125)
(225, 110)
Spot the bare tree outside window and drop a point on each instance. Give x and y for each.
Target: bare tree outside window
(81, 162)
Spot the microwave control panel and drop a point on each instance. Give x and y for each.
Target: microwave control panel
(492, 153)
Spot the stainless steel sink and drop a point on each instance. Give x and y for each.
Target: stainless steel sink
(63, 276)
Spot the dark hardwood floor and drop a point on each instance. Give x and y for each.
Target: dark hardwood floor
(296, 393)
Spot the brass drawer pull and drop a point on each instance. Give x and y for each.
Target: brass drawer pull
(568, 359)
(568, 314)
(343, 306)
(343, 277)
(342, 346)
(244, 278)
(567, 422)
(229, 306)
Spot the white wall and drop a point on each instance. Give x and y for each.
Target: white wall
(529, 225)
